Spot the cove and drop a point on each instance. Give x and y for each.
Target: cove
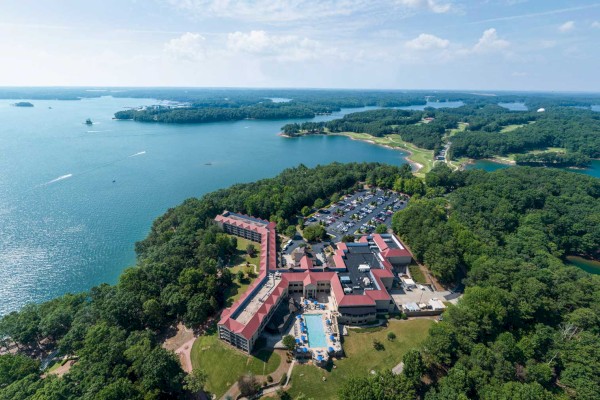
(488, 165)
(591, 266)
(74, 198)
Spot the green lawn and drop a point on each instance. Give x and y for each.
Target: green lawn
(417, 274)
(224, 365)
(419, 155)
(238, 263)
(242, 255)
(361, 358)
(461, 127)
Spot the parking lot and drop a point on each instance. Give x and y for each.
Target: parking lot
(359, 213)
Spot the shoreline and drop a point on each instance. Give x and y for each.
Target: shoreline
(415, 166)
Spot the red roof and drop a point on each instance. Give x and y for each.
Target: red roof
(268, 261)
(306, 263)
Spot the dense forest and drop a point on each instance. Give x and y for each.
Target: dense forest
(339, 97)
(528, 325)
(490, 130)
(575, 129)
(115, 332)
(553, 159)
(424, 129)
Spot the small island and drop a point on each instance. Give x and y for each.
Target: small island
(22, 104)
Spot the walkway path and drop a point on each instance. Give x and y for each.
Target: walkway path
(181, 344)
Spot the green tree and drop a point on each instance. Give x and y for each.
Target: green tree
(381, 228)
(16, 366)
(289, 342)
(194, 382)
(414, 367)
(248, 385)
(348, 238)
(306, 210)
(314, 232)
(290, 231)
(251, 250)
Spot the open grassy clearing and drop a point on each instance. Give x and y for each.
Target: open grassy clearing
(361, 358)
(417, 274)
(418, 155)
(510, 128)
(224, 365)
(238, 263)
(461, 127)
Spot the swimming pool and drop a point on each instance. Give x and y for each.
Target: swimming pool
(316, 331)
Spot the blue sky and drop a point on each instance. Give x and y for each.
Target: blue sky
(395, 44)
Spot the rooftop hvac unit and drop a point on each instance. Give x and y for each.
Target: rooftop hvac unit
(347, 290)
(366, 281)
(364, 268)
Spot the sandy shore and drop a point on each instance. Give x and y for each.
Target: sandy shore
(416, 167)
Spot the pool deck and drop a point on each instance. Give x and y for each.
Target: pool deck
(320, 355)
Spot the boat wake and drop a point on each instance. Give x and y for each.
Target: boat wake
(60, 178)
(137, 154)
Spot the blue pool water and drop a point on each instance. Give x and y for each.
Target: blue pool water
(316, 332)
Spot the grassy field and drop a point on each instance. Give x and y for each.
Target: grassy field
(224, 365)
(418, 155)
(238, 263)
(510, 128)
(417, 274)
(361, 358)
(242, 256)
(461, 127)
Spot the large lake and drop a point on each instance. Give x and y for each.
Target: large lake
(65, 226)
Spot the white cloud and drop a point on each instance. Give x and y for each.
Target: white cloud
(280, 47)
(189, 46)
(596, 24)
(489, 41)
(567, 26)
(426, 41)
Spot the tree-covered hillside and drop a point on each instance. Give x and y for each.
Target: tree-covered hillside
(114, 331)
(528, 325)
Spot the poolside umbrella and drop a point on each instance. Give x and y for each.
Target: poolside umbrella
(303, 338)
(316, 302)
(305, 301)
(331, 337)
(331, 349)
(328, 322)
(304, 350)
(297, 341)
(299, 316)
(319, 358)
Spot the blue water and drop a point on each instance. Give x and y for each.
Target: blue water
(516, 106)
(595, 107)
(489, 166)
(316, 331)
(434, 104)
(69, 234)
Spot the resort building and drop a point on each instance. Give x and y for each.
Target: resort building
(351, 289)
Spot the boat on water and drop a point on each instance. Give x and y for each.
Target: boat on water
(89, 122)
